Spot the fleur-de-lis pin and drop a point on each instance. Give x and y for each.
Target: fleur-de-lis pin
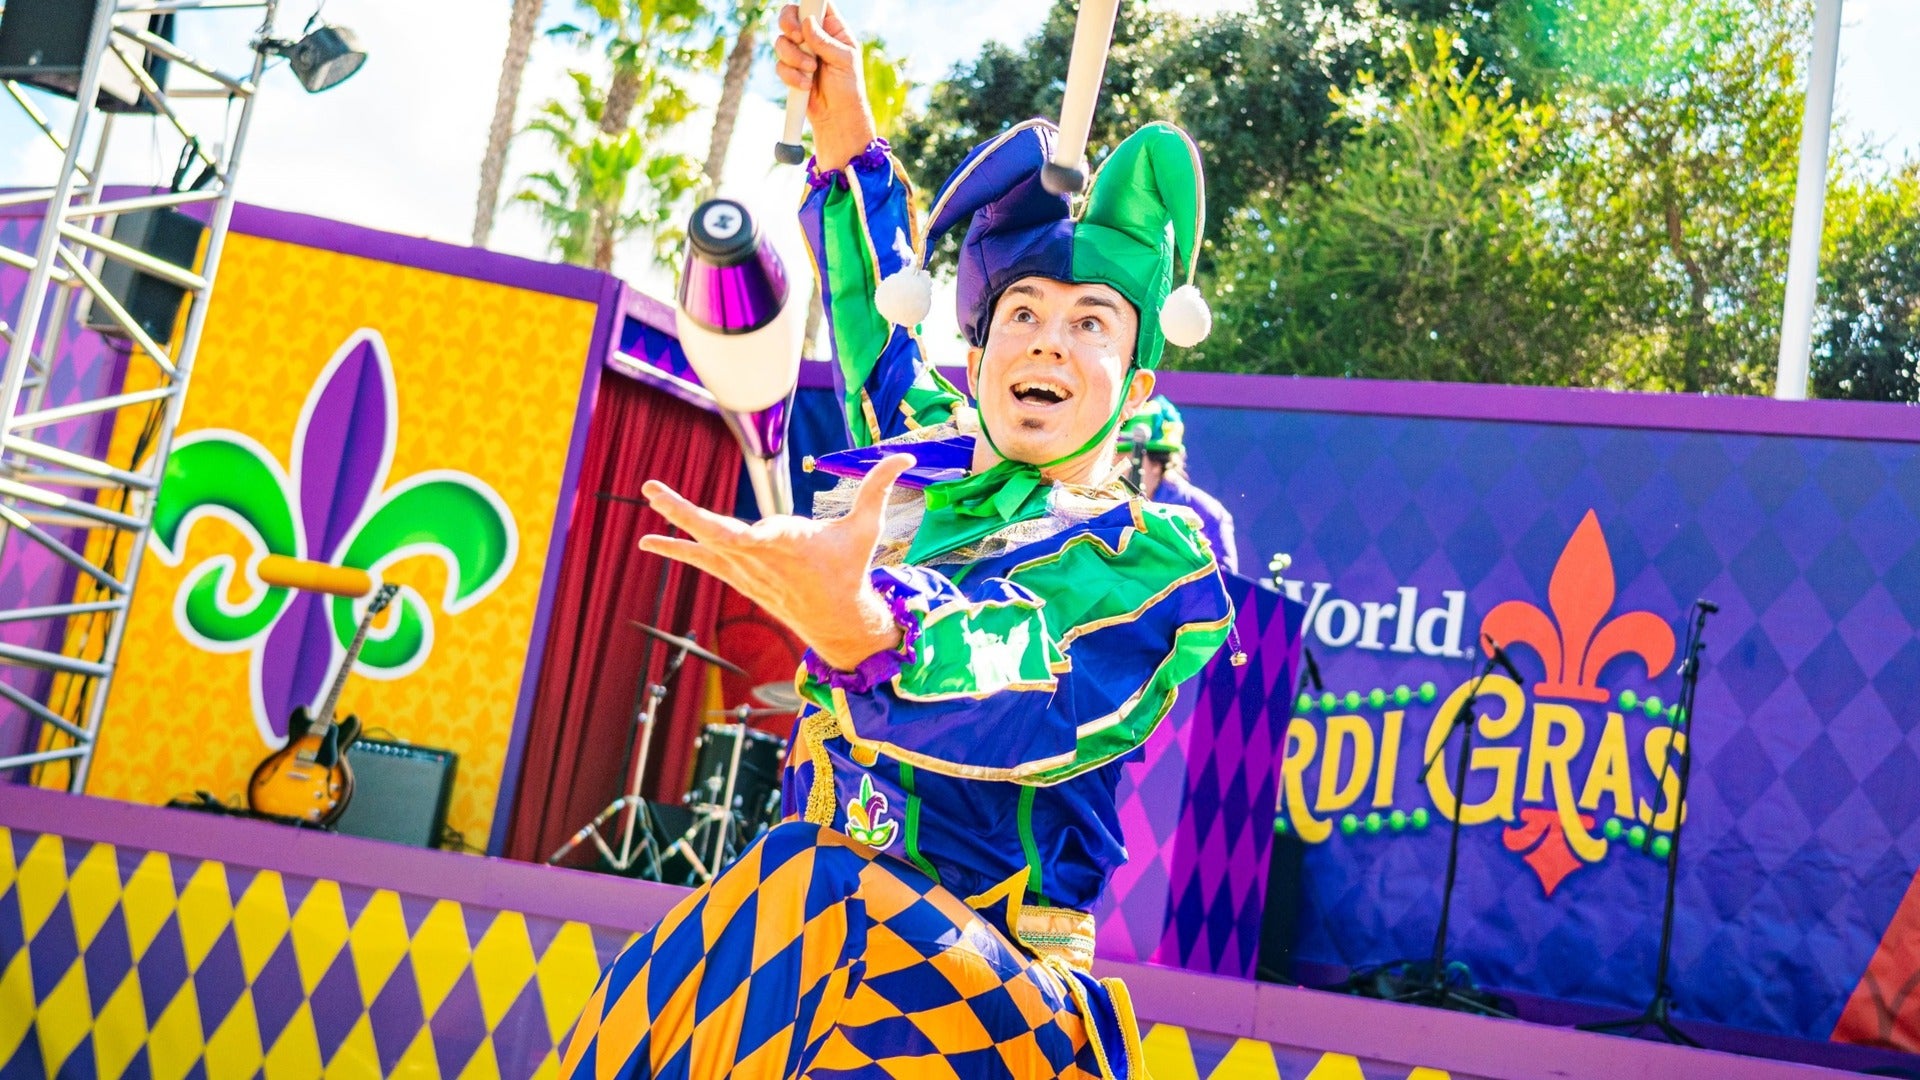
(335, 510)
(867, 820)
(1578, 641)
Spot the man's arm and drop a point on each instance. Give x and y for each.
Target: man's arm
(860, 234)
(1008, 687)
(859, 229)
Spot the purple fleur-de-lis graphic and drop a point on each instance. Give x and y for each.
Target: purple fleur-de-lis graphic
(334, 509)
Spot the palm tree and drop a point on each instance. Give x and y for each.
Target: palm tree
(749, 17)
(526, 14)
(590, 203)
(887, 87)
(646, 41)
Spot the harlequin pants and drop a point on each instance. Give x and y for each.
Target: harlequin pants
(814, 956)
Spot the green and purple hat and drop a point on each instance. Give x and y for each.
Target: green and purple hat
(1156, 428)
(1138, 232)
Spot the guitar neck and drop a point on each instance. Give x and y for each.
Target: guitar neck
(325, 719)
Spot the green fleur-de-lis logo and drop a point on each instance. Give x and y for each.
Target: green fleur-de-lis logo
(334, 508)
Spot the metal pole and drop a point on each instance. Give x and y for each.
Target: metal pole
(189, 345)
(1809, 205)
(33, 300)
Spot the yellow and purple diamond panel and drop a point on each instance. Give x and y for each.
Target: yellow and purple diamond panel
(118, 962)
(487, 381)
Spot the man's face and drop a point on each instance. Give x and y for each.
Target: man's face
(1053, 368)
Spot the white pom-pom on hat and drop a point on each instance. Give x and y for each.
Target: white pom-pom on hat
(1185, 319)
(904, 297)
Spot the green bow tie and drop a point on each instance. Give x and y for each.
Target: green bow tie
(974, 507)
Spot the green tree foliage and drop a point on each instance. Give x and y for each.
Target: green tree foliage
(608, 138)
(1419, 255)
(1868, 339)
(1582, 192)
(1252, 88)
(591, 201)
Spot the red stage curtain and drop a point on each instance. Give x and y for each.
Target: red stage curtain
(575, 759)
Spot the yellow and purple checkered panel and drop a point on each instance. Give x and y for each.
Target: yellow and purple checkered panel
(816, 956)
(120, 962)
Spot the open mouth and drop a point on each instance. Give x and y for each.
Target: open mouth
(1040, 392)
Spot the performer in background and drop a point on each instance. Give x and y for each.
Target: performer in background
(994, 626)
(1155, 440)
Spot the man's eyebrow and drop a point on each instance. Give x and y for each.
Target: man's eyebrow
(1096, 300)
(1023, 290)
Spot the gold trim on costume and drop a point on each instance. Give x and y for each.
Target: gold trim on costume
(822, 802)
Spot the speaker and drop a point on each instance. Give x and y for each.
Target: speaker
(400, 792)
(44, 43)
(167, 235)
(1280, 921)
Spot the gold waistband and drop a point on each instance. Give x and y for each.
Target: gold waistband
(1061, 933)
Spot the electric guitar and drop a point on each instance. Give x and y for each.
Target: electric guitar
(309, 778)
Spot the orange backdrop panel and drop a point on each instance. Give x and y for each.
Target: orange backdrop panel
(485, 381)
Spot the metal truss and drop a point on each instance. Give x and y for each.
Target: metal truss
(90, 512)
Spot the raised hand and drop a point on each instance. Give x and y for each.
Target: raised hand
(820, 57)
(811, 575)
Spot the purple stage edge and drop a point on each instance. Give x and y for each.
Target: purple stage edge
(1283, 1015)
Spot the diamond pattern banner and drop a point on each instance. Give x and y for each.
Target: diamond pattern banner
(1592, 542)
(1194, 885)
(86, 366)
(120, 962)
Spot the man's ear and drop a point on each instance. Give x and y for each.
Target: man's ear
(1139, 392)
(973, 373)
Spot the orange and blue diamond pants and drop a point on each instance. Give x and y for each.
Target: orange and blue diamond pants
(815, 956)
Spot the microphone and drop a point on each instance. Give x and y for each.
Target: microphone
(1313, 671)
(1500, 657)
(1707, 606)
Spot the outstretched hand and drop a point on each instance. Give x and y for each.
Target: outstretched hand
(811, 575)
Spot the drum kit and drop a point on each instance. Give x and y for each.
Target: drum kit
(733, 798)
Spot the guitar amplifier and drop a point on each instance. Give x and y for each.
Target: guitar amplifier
(400, 792)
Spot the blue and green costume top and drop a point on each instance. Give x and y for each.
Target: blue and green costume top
(1053, 637)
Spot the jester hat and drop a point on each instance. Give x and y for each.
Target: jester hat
(1156, 428)
(1137, 232)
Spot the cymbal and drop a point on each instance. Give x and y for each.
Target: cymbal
(745, 710)
(777, 695)
(693, 647)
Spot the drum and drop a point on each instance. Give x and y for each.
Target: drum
(738, 769)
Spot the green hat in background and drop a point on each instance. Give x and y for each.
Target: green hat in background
(1156, 428)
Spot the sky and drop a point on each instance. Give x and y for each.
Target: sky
(398, 146)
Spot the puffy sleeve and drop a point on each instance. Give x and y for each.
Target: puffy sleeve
(1006, 685)
(859, 230)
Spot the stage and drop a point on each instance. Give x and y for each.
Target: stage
(144, 941)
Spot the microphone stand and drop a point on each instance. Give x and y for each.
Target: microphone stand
(1411, 981)
(1658, 1014)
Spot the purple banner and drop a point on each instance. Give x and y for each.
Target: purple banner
(1582, 549)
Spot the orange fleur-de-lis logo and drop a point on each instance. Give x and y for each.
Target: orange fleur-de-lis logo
(1578, 641)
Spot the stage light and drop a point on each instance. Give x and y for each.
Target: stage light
(323, 59)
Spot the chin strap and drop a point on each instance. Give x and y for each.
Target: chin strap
(974, 507)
